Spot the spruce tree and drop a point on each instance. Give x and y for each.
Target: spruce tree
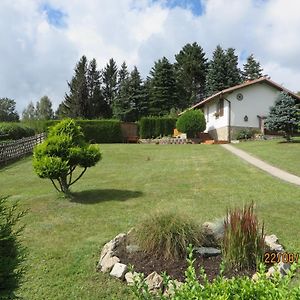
(162, 92)
(232, 71)
(216, 78)
(191, 68)
(44, 109)
(109, 89)
(123, 74)
(252, 69)
(284, 115)
(76, 102)
(97, 107)
(130, 97)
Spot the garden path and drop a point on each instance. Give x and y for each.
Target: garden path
(283, 175)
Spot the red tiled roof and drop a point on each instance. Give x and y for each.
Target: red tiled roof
(245, 84)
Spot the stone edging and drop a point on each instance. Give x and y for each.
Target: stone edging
(110, 262)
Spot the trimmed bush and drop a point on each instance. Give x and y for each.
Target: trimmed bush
(243, 245)
(152, 127)
(62, 152)
(191, 122)
(11, 251)
(97, 131)
(14, 131)
(167, 235)
(246, 134)
(221, 287)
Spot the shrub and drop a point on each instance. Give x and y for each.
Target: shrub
(11, 251)
(14, 131)
(151, 127)
(97, 131)
(191, 122)
(167, 235)
(245, 134)
(222, 288)
(243, 245)
(62, 152)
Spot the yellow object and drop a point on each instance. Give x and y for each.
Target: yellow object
(176, 133)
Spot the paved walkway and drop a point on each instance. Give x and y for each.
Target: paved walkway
(263, 165)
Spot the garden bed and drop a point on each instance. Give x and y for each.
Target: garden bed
(175, 268)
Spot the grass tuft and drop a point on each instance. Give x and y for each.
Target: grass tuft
(167, 235)
(243, 245)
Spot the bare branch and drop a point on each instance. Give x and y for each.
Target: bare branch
(78, 177)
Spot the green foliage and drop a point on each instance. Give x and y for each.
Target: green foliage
(252, 69)
(191, 122)
(8, 111)
(14, 131)
(190, 68)
(62, 152)
(162, 88)
(97, 131)
(222, 288)
(44, 109)
(11, 250)
(243, 245)
(284, 115)
(223, 71)
(245, 134)
(29, 113)
(167, 234)
(151, 127)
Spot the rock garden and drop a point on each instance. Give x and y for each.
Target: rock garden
(235, 245)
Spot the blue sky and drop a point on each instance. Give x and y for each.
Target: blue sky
(55, 16)
(42, 40)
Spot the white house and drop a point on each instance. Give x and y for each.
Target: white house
(239, 107)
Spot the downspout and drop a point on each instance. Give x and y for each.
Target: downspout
(229, 119)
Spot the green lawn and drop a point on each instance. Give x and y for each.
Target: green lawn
(64, 238)
(276, 152)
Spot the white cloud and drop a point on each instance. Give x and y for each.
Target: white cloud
(38, 58)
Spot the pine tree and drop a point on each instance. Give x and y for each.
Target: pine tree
(162, 92)
(252, 69)
(76, 102)
(284, 115)
(97, 107)
(44, 109)
(110, 83)
(123, 74)
(232, 71)
(191, 68)
(29, 113)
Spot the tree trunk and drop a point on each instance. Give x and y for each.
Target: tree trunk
(64, 185)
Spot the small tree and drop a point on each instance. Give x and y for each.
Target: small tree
(284, 115)
(61, 153)
(191, 122)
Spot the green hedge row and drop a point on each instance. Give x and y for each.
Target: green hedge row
(97, 131)
(14, 131)
(152, 127)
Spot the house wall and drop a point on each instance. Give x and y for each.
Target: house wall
(257, 100)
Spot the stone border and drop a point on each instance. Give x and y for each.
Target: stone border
(109, 261)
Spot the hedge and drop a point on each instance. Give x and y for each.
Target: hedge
(152, 127)
(14, 131)
(97, 131)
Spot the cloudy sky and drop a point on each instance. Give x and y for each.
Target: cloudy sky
(41, 40)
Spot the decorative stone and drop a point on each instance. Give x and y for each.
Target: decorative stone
(272, 243)
(129, 277)
(208, 251)
(255, 277)
(108, 262)
(213, 233)
(154, 281)
(282, 267)
(118, 270)
(115, 247)
(132, 248)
